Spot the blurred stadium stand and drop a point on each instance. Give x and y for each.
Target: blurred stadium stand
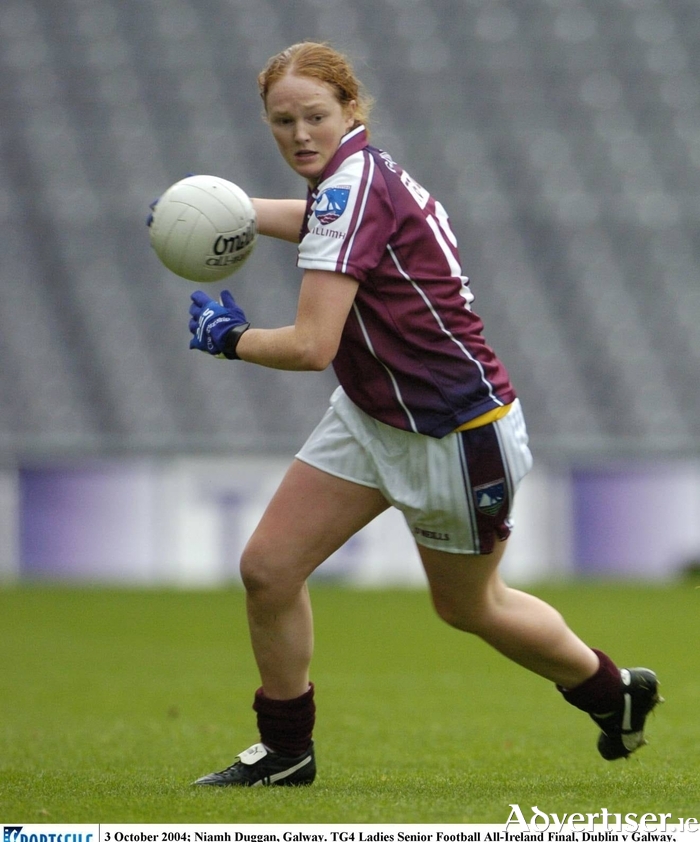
(563, 137)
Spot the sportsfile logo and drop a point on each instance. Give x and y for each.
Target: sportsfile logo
(12, 833)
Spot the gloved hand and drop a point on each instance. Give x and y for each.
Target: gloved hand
(216, 326)
(152, 206)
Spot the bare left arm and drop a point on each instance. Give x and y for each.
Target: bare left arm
(311, 343)
(280, 218)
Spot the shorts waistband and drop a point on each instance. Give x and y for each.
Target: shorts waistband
(487, 418)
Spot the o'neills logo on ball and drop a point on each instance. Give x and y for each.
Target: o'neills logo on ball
(227, 250)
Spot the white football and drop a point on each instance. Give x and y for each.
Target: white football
(203, 228)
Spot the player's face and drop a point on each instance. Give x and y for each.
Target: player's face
(308, 123)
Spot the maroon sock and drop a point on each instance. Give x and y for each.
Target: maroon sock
(286, 725)
(601, 693)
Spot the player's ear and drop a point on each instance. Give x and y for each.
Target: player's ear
(349, 110)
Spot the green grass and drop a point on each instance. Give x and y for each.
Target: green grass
(113, 701)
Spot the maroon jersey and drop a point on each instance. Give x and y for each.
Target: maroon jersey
(412, 353)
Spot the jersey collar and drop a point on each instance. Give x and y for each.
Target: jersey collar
(352, 142)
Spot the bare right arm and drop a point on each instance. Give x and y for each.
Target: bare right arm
(280, 218)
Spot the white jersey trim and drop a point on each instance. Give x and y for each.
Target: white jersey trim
(363, 199)
(321, 246)
(448, 333)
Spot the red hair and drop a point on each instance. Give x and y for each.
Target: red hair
(322, 62)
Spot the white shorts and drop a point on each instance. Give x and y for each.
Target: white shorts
(456, 492)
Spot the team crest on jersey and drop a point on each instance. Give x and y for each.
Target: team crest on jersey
(490, 497)
(331, 204)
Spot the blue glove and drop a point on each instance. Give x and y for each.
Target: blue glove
(216, 326)
(152, 206)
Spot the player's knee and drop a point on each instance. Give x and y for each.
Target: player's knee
(256, 572)
(265, 573)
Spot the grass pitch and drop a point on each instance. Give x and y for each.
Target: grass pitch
(113, 701)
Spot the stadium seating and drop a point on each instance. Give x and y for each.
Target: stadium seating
(563, 137)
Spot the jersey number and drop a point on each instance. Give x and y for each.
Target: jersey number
(442, 231)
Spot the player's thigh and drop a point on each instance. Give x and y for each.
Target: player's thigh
(311, 515)
(463, 586)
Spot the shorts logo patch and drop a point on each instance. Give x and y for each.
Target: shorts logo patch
(331, 204)
(490, 497)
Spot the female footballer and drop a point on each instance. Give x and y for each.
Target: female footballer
(425, 419)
